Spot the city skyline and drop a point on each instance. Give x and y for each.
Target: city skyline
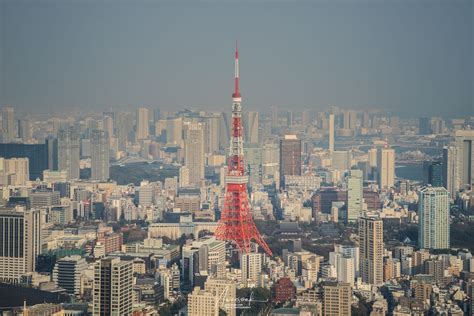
(172, 55)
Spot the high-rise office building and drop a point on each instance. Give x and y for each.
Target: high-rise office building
(225, 131)
(37, 155)
(100, 147)
(386, 168)
(174, 131)
(20, 242)
(331, 133)
(8, 124)
(250, 125)
(433, 173)
(194, 153)
(67, 273)
(142, 128)
(253, 155)
(349, 119)
(124, 127)
(337, 297)
(355, 188)
(371, 250)
(108, 125)
(112, 290)
(451, 170)
(68, 151)
(290, 157)
(25, 130)
(424, 124)
(433, 214)
(464, 141)
(52, 148)
(212, 134)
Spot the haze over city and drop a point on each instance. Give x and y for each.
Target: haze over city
(407, 57)
(233, 158)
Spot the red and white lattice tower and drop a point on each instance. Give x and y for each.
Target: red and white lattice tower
(236, 223)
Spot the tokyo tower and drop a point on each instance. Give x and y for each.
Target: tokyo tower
(236, 223)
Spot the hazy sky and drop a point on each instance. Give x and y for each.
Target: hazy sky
(402, 55)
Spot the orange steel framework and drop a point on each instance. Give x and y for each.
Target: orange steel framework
(236, 223)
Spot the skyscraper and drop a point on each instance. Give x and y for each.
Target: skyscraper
(174, 131)
(433, 173)
(142, 128)
(8, 124)
(250, 122)
(68, 151)
(290, 157)
(100, 147)
(331, 133)
(354, 195)
(194, 152)
(25, 130)
(451, 172)
(112, 293)
(433, 214)
(464, 141)
(124, 128)
(386, 168)
(212, 134)
(371, 250)
(20, 242)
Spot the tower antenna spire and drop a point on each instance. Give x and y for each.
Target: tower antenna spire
(236, 93)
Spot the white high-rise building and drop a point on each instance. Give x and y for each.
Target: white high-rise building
(352, 252)
(194, 153)
(354, 195)
(20, 238)
(433, 213)
(67, 273)
(112, 290)
(142, 128)
(251, 266)
(371, 250)
(100, 147)
(331, 133)
(68, 151)
(386, 168)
